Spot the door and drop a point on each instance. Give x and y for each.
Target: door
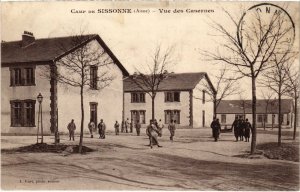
(94, 112)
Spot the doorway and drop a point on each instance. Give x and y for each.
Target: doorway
(94, 112)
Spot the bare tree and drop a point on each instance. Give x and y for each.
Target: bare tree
(250, 47)
(293, 84)
(275, 79)
(224, 85)
(85, 67)
(152, 75)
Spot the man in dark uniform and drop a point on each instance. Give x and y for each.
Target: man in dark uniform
(248, 128)
(131, 126)
(215, 125)
(101, 129)
(235, 128)
(212, 130)
(242, 129)
(117, 126)
(138, 127)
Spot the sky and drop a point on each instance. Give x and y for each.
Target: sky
(132, 37)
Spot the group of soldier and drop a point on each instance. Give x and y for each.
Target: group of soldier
(154, 129)
(242, 129)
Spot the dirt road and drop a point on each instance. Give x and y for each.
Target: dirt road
(192, 162)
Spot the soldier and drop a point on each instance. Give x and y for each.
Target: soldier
(248, 128)
(172, 129)
(215, 125)
(101, 129)
(131, 126)
(212, 130)
(71, 128)
(91, 127)
(138, 127)
(117, 126)
(126, 125)
(160, 127)
(242, 129)
(152, 132)
(235, 128)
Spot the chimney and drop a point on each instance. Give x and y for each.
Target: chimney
(27, 38)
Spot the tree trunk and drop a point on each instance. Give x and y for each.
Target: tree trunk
(279, 116)
(279, 119)
(153, 98)
(215, 108)
(295, 117)
(82, 120)
(253, 140)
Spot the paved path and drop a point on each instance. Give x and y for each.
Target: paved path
(192, 162)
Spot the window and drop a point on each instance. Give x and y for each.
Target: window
(29, 76)
(22, 76)
(23, 113)
(203, 96)
(93, 77)
(137, 97)
(259, 118)
(172, 96)
(172, 115)
(223, 118)
(138, 115)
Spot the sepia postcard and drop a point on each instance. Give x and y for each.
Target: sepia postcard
(158, 95)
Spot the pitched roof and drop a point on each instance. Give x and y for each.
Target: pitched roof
(47, 50)
(236, 106)
(175, 81)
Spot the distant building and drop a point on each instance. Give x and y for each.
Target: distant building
(266, 112)
(22, 63)
(175, 99)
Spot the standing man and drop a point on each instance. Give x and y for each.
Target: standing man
(91, 127)
(117, 128)
(126, 125)
(131, 126)
(248, 128)
(160, 127)
(215, 125)
(172, 128)
(71, 128)
(242, 129)
(102, 128)
(235, 128)
(138, 127)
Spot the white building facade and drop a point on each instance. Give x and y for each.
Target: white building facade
(23, 66)
(266, 112)
(177, 99)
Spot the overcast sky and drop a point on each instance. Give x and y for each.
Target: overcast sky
(133, 36)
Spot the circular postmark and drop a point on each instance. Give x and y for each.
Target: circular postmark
(265, 28)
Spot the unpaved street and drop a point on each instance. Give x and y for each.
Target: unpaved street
(192, 162)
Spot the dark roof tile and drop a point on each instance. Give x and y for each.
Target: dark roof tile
(175, 81)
